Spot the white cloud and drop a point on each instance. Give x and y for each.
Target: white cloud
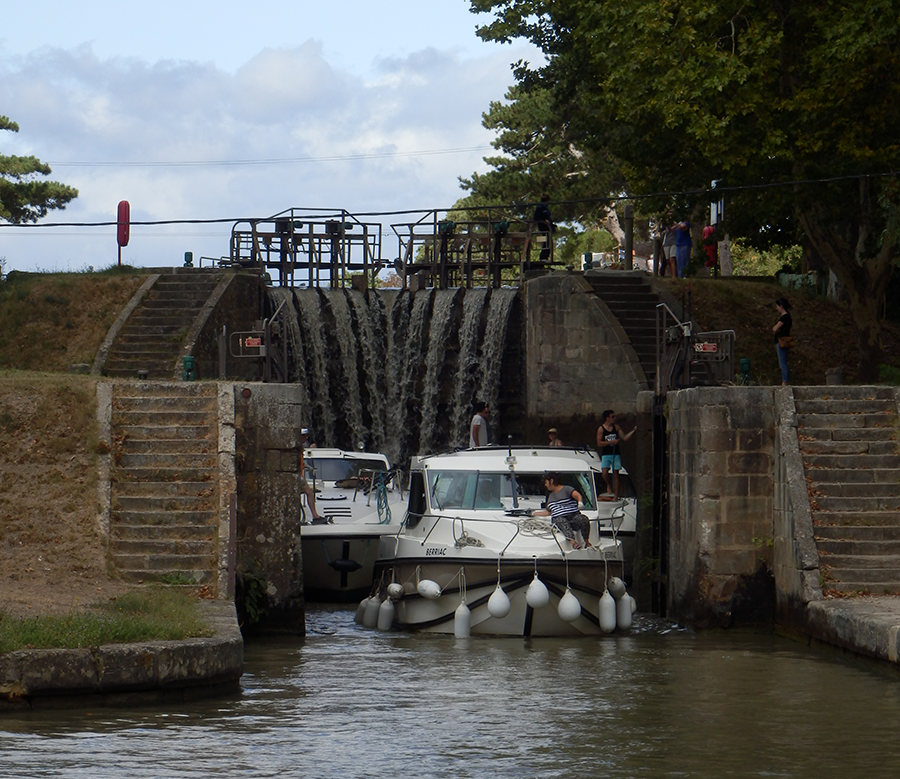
(282, 104)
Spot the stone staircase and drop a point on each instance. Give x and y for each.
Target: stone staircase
(850, 445)
(152, 338)
(633, 302)
(164, 483)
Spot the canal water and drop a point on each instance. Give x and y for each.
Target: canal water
(349, 702)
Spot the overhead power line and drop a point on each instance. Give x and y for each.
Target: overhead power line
(271, 161)
(714, 193)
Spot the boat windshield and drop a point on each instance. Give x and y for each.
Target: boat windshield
(339, 469)
(474, 490)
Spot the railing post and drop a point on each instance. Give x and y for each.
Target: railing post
(629, 237)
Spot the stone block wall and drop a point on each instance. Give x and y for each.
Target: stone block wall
(722, 446)
(578, 361)
(269, 568)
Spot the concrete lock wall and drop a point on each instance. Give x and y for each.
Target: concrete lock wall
(722, 488)
(269, 567)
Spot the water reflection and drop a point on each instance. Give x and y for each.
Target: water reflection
(354, 703)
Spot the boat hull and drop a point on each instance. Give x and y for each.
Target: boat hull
(586, 579)
(339, 560)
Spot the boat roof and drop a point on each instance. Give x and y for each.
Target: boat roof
(525, 459)
(322, 453)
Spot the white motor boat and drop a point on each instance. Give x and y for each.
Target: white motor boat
(471, 557)
(361, 499)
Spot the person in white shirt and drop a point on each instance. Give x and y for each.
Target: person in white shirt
(479, 432)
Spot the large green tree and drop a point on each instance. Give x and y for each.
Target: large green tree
(24, 195)
(764, 96)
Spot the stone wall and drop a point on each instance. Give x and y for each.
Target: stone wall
(578, 361)
(722, 486)
(269, 573)
(237, 306)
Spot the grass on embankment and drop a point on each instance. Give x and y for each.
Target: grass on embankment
(49, 321)
(148, 615)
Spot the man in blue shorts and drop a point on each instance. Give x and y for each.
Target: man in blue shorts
(609, 436)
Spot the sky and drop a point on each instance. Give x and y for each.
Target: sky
(214, 109)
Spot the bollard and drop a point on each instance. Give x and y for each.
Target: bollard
(188, 259)
(188, 372)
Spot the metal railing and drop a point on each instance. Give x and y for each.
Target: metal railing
(471, 253)
(308, 247)
(688, 359)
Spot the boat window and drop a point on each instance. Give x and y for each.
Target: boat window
(473, 490)
(417, 505)
(339, 469)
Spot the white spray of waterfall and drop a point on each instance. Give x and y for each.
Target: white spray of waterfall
(434, 362)
(310, 318)
(492, 350)
(371, 346)
(402, 414)
(396, 349)
(467, 368)
(350, 401)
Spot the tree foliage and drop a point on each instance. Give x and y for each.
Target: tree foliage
(764, 96)
(24, 196)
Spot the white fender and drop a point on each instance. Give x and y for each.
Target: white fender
(607, 612)
(569, 607)
(616, 587)
(498, 603)
(385, 614)
(623, 612)
(370, 618)
(537, 594)
(429, 589)
(462, 621)
(395, 591)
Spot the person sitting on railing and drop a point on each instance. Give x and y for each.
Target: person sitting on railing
(562, 506)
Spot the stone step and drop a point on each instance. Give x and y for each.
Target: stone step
(846, 421)
(161, 418)
(886, 567)
(864, 434)
(194, 447)
(167, 432)
(851, 461)
(858, 532)
(163, 489)
(842, 392)
(146, 520)
(163, 503)
(160, 329)
(844, 490)
(207, 403)
(862, 406)
(861, 587)
(856, 518)
(846, 548)
(192, 474)
(156, 461)
(149, 389)
(199, 576)
(885, 476)
(171, 561)
(825, 503)
(130, 373)
(848, 447)
(151, 549)
(130, 367)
